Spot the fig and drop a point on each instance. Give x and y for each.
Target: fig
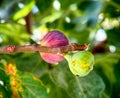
(80, 63)
(51, 39)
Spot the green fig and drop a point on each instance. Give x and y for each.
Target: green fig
(80, 63)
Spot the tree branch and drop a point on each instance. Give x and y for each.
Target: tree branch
(45, 49)
(29, 22)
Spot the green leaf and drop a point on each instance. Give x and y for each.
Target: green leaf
(24, 11)
(57, 92)
(113, 37)
(75, 86)
(3, 93)
(66, 3)
(91, 10)
(32, 87)
(13, 34)
(107, 66)
(90, 6)
(8, 8)
(5, 79)
(111, 9)
(45, 5)
(106, 62)
(22, 84)
(2, 72)
(31, 62)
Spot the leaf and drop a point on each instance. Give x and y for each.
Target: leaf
(77, 87)
(32, 87)
(66, 3)
(22, 84)
(5, 79)
(90, 10)
(3, 93)
(54, 90)
(13, 34)
(113, 37)
(45, 5)
(31, 62)
(106, 62)
(2, 72)
(24, 11)
(90, 6)
(8, 8)
(112, 9)
(107, 66)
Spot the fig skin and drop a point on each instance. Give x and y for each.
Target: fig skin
(80, 63)
(52, 39)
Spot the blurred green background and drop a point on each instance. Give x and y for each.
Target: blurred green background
(96, 22)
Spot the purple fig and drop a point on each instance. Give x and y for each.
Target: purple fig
(53, 38)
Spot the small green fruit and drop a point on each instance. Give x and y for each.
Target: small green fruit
(80, 63)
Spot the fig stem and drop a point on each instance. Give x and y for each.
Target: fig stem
(38, 48)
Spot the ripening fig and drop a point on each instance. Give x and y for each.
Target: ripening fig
(80, 63)
(53, 38)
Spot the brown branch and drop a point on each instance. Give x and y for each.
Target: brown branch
(45, 49)
(29, 22)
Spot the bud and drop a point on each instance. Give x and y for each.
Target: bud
(52, 39)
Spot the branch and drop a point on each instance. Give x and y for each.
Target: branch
(45, 49)
(29, 21)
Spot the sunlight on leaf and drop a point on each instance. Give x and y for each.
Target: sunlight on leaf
(24, 11)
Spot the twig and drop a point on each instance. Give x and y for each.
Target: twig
(29, 22)
(45, 49)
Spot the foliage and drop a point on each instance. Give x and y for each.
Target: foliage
(26, 75)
